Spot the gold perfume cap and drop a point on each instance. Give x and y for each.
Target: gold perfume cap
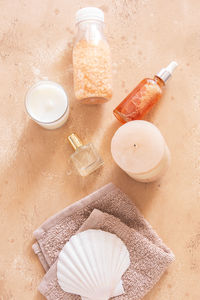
(75, 141)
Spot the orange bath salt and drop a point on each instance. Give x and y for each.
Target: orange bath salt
(92, 71)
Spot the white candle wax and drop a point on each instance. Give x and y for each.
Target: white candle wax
(47, 104)
(140, 150)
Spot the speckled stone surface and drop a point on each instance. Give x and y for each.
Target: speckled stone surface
(36, 176)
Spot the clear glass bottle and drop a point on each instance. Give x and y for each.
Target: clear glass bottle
(85, 158)
(91, 58)
(146, 94)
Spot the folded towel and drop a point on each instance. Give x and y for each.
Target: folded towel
(149, 256)
(148, 261)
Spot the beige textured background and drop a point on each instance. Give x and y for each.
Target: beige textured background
(36, 176)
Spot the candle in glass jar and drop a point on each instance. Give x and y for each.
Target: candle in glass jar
(140, 150)
(47, 104)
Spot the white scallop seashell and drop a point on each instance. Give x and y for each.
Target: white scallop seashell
(91, 265)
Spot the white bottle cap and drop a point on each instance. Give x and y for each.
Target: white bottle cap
(89, 13)
(166, 73)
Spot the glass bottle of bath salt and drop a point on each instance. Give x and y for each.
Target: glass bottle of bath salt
(146, 94)
(85, 158)
(91, 58)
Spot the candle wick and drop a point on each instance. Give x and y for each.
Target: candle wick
(50, 105)
(135, 146)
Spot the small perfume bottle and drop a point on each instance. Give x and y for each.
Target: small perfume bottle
(85, 158)
(140, 101)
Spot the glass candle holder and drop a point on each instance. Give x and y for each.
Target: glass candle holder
(47, 104)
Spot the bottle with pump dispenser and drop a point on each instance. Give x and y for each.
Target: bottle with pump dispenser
(85, 158)
(140, 101)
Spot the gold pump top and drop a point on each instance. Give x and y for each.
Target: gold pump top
(75, 141)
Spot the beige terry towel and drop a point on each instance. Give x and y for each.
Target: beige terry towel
(149, 256)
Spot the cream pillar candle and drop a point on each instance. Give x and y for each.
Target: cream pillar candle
(140, 150)
(47, 104)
